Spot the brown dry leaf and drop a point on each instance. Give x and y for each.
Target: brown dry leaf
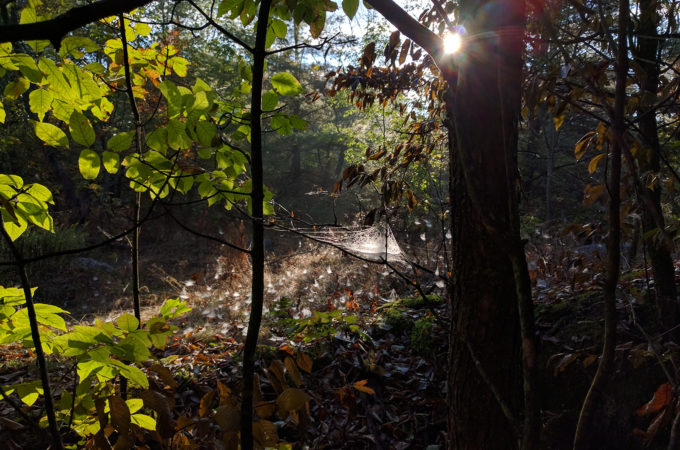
(304, 361)
(276, 368)
(225, 392)
(206, 403)
(11, 425)
(293, 371)
(273, 380)
(228, 417)
(184, 423)
(265, 410)
(101, 440)
(589, 360)
(164, 374)
(230, 440)
(361, 386)
(567, 359)
(291, 399)
(159, 403)
(661, 398)
(120, 414)
(265, 433)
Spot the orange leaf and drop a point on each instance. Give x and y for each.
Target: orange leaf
(361, 386)
(661, 398)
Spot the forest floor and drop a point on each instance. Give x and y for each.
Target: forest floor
(368, 353)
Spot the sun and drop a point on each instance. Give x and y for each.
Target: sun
(452, 43)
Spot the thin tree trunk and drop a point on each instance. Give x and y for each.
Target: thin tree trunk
(660, 257)
(586, 436)
(257, 197)
(37, 344)
(138, 197)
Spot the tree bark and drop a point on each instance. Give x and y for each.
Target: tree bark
(484, 197)
(660, 258)
(257, 198)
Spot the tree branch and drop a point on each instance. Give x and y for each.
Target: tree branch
(55, 29)
(410, 27)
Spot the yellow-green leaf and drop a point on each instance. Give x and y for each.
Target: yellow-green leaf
(81, 129)
(51, 134)
(89, 164)
(40, 102)
(286, 84)
(17, 87)
(111, 162)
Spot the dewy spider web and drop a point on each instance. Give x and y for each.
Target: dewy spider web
(376, 243)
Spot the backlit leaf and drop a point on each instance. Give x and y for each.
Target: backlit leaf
(127, 322)
(121, 141)
(89, 164)
(51, 134)
(286, 84)
(81, 129)
(111, 162)
(40, 102)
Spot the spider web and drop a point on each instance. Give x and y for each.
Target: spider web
(376, 243)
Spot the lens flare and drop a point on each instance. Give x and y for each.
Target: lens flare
(452, 43)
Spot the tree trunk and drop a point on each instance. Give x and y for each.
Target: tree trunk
(662, 263)
(485, 332)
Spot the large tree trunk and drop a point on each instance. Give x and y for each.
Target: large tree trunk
(485, 374)
(662, 263)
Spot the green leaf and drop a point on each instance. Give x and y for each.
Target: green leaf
(15, 226)
(89, 164)
(17, 87)
(177, 136)
(142, 29)
(29, 392)
(81, 129)
(127, 322)
(350, 7)
(285, 84)
(51, 135)
(3, 113)
(206, 131)
(281, 124)
(40, 192)
(55, 78)
(135, 375)
(298, 123)
(279, 27)
(143, 421)
(111, 162)
(121, 141)
(95, 67)
(71, 45)
(40, 102)
(28, 67)
(158, 139)
(269, 101)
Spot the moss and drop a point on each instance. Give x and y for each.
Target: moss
(421, 336)
(419, 302)
(398, 320)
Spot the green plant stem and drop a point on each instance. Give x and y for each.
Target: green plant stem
(257, 199)
(35, 334)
